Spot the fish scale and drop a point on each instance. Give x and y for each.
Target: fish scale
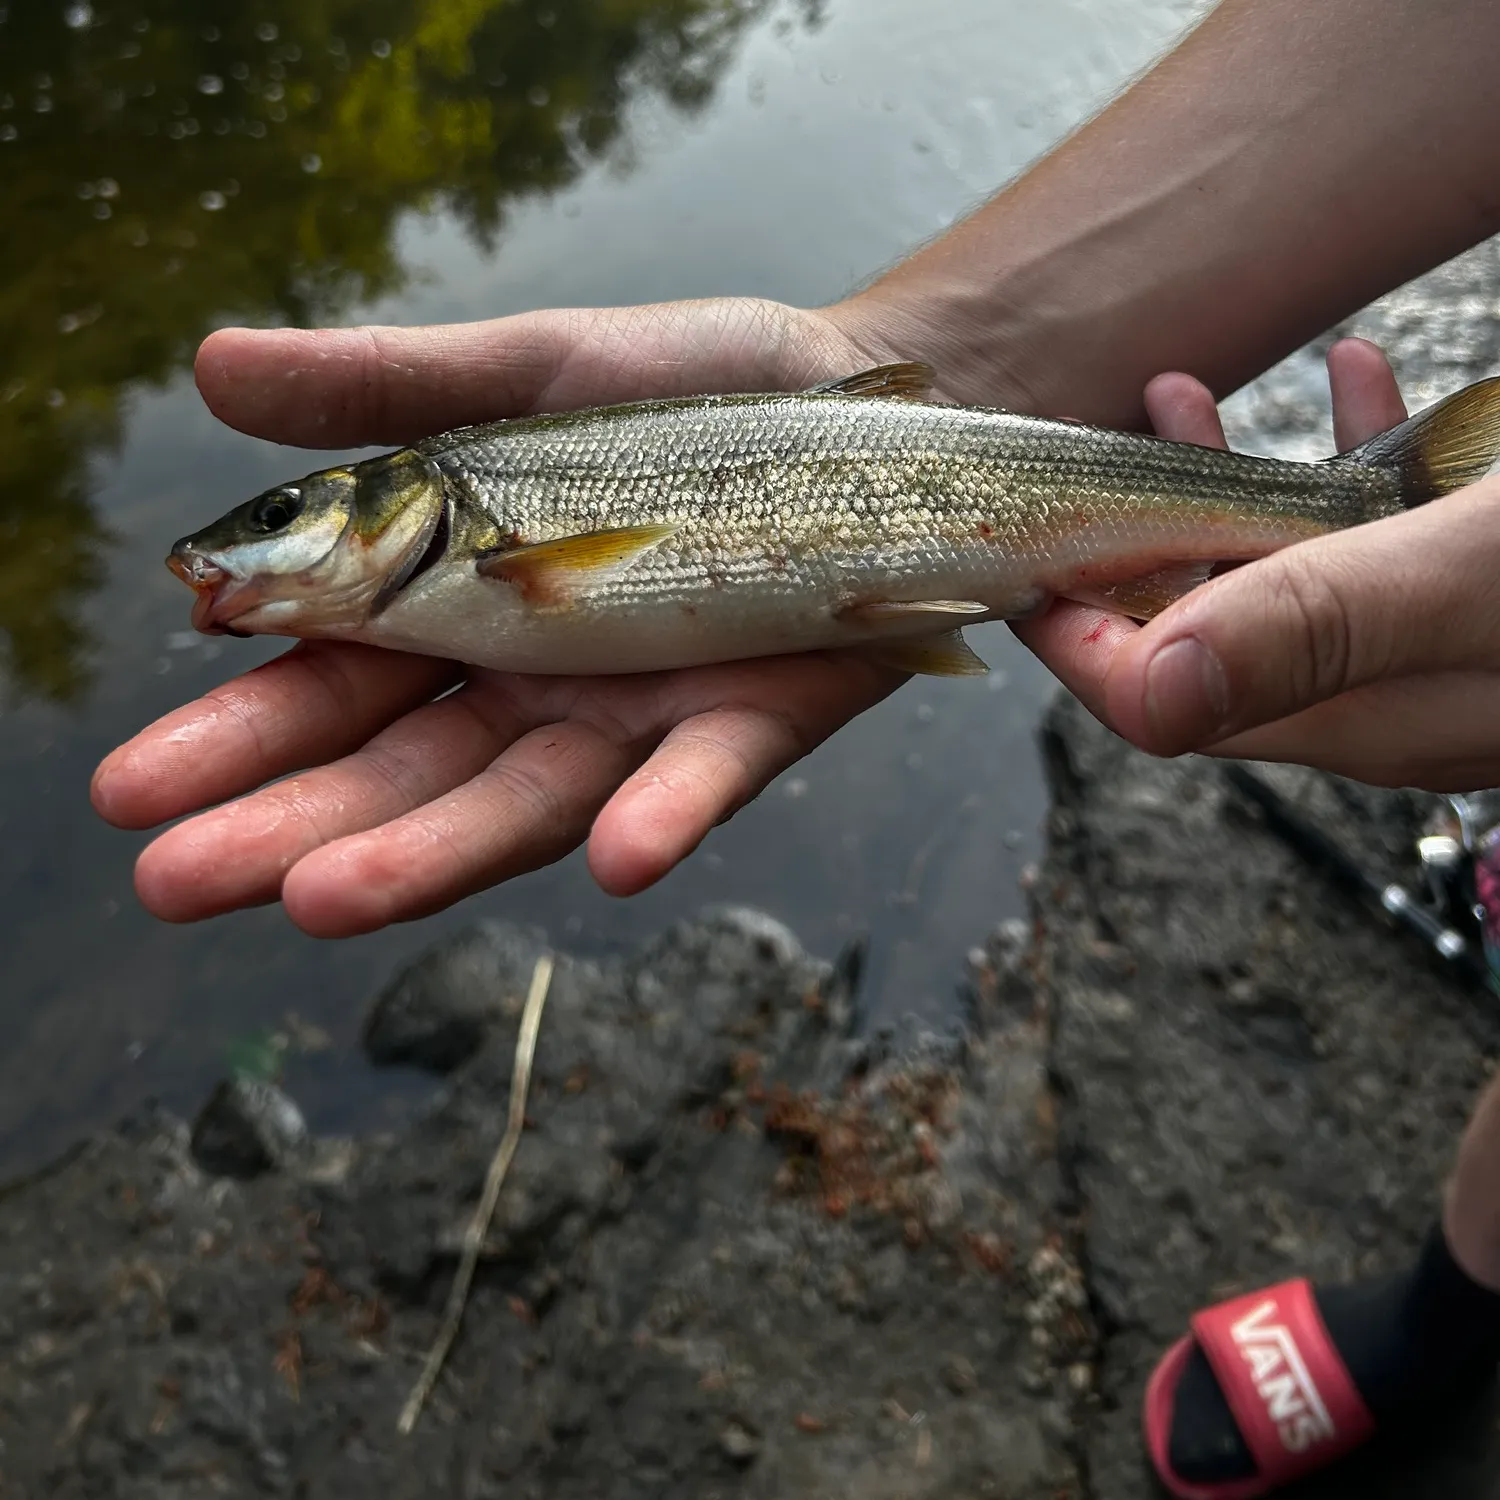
(914, 486)
(677, 532)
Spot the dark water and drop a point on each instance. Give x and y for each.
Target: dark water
(170, 166)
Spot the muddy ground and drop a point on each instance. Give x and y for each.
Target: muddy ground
(747, 1250)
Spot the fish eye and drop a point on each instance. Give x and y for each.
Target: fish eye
(275, 511)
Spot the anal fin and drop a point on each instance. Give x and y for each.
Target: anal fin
(946, 654)
(1147, 594)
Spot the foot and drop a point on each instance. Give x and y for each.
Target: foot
(1286, 1380)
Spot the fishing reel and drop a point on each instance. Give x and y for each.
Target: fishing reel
(1458, 854)
(1455, 906)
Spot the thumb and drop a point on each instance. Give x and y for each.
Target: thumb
(1412, 593)
(350, 387)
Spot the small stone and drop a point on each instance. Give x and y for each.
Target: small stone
(739, 1444)
(437, 1011)
(248, 1127)
(959, 1376)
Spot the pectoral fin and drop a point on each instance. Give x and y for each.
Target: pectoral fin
(912, 381)
(557, 571)
(1147, 595)
(944, 655)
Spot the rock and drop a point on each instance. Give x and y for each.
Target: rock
(248, 1126)
(739, 1444)
(437, 1011)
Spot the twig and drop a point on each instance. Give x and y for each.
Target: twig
(520, 1082)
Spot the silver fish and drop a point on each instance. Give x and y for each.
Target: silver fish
(861, 513)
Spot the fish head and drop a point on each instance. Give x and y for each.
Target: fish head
(316, 556)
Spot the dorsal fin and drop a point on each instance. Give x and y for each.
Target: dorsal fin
(911, 381)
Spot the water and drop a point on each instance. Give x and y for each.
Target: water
(170, 166)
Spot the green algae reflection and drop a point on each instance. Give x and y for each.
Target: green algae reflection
(169, 166)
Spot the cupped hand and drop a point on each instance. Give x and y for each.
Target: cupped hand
(1373, 652)
(362, 787)
(391, 796)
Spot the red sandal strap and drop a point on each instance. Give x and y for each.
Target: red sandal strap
(1290, 1393)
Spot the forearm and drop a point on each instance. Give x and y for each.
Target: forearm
(1284, 165)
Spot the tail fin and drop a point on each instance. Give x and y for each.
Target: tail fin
(1441, 449)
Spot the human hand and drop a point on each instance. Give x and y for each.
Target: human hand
(1373, 652)
(396, 805)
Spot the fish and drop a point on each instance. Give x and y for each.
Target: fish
(863, 513)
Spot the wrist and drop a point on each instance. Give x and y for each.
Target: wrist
(1003, 337)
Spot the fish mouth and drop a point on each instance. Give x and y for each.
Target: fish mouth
(216, 589)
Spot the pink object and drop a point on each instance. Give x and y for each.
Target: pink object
(1487, 885)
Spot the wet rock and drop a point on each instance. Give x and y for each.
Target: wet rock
(249, 1126)
(437, 1010)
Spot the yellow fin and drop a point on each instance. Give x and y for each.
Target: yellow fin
(904, 611)
(1147, 595)
(911, 381)
(553, 572)
(944, 655)
(1441, 449)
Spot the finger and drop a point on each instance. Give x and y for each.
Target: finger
(1415, 592)
(317, 701)
(1183, 410)
(347, 387)
(531, 807)
(1440, 732)
(1077, 643)
(238, 855)
(717, 760)
(1366, 398)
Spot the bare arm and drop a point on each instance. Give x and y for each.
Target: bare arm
(1285, 164)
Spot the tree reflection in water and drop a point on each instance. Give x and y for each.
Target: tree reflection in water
(171, 165)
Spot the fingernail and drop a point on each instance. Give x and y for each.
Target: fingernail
(1187, 697)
